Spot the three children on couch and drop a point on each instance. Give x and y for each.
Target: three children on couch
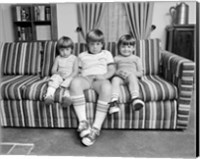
(100, 71)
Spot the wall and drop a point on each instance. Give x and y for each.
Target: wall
(67, 20)
(162, 18)
(6, 25)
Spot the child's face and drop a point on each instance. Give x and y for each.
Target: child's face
(126, 50)
(65, 52)
(95, 47)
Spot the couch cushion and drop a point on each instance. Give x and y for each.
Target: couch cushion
(20, 58)
(12, 86)
(48, 57)
(152, 88)
(37, 89)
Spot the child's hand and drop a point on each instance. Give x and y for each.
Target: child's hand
(123, 74)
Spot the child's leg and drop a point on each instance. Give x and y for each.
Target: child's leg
(78, 85)
(116, 82)
(133, 86)
(103, 88)
(53, 84)
(66, 99)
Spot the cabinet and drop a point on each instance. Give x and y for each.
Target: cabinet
(35, 22)
(180, 40)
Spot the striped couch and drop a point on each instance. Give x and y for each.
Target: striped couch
(166, 88)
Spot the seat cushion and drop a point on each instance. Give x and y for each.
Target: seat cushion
(152, 88)
(12, 86)
(37, 89)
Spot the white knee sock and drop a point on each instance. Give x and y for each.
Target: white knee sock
(79, 106)
(50, 91)
(101, 112)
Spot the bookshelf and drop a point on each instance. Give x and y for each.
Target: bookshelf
(35, 22)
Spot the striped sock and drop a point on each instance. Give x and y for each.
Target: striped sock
(134, 94)
(101, 112)
(79, 106)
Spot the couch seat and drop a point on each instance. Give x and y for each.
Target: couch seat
(12, 85)
(153, 88)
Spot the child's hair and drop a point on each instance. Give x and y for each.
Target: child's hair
(95, 35)
(65, 42)
(126, 39)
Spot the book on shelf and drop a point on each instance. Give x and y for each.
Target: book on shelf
(24, 33)
(43, 32)
(18, 13)
(39, 13)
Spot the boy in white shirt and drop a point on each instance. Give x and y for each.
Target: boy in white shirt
(97, 67)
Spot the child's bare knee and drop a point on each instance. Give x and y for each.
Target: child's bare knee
(76, 83)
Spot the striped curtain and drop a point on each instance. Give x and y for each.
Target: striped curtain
(139, 18)
(89, 17)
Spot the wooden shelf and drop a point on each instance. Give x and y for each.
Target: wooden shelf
(35, 22)
(180, 40)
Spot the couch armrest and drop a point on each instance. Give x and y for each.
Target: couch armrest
(180, 71)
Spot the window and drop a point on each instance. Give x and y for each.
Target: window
(114, 23)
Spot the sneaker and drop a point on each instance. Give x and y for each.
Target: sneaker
(84, 128)
(114, 107)
(137, 104)
(48, 100)
(66, 102)
(91, 138)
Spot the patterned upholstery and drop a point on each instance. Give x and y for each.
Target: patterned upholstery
(12, 86)
(183, 78)
(48, 57)
(20, 58)
(30, 113)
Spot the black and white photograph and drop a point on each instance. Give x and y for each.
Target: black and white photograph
(115, 79)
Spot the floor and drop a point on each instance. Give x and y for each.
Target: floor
(111, 143)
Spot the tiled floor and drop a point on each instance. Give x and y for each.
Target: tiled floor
(9, 148)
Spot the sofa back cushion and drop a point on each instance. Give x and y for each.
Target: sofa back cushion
(48, 57)
(148, 50)
(20, 58)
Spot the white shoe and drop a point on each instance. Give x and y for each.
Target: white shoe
(84, 128)
(114, 107)
(91, 138)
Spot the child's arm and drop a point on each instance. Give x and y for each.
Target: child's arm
(54, 69)
(74, 70)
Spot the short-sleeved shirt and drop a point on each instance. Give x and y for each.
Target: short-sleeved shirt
(129, 64)
(65, 65)
(95, 64)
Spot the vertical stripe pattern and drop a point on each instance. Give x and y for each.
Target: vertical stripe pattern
(21, 58)
(180, 71)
